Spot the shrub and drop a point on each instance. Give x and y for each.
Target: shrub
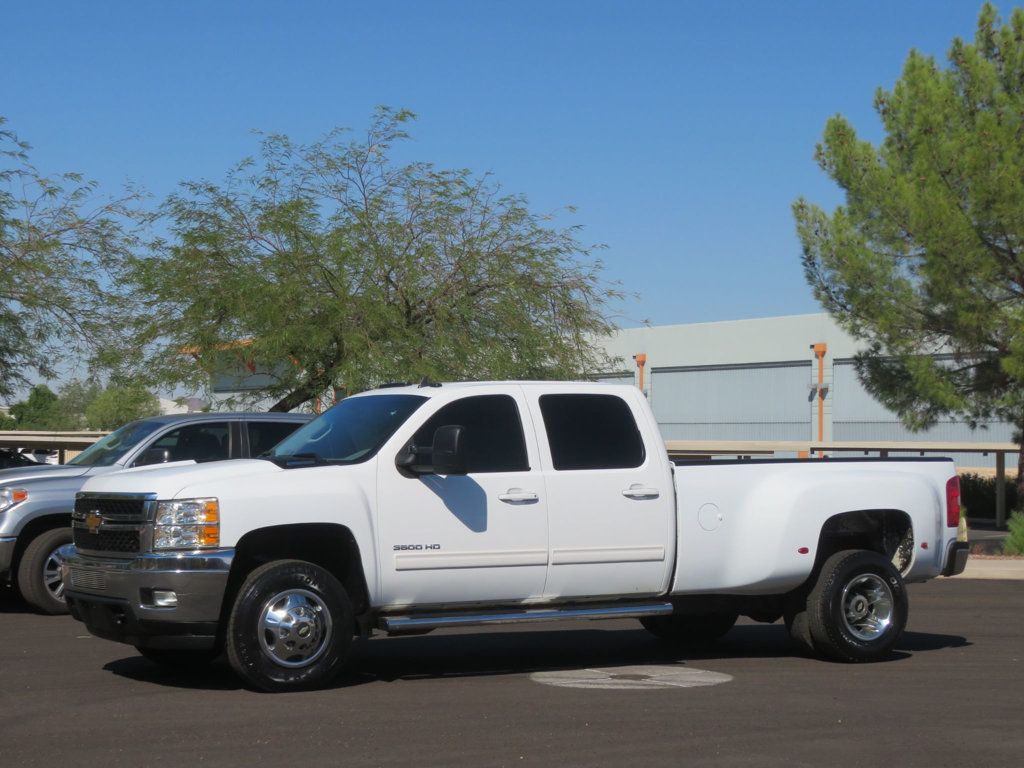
(1014, 544)
(978, 494)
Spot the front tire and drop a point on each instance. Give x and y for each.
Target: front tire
(290, 628)
(857, 609)
(39, 577)
(691, 631)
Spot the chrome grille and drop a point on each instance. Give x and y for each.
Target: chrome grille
(115, 524)
(117, 540)
(86, 579)
(111, 507)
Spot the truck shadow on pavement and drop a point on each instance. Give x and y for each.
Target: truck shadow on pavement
(387, 660)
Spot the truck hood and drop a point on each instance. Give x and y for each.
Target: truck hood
(20, 475)
(168, 481)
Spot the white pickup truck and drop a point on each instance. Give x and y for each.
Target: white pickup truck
(413, 508)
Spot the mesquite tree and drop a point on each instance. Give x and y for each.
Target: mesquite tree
(333, 266)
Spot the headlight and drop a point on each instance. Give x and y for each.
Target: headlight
(187, 524)
(11, 496)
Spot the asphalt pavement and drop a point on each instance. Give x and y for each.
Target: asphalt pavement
(573, 694)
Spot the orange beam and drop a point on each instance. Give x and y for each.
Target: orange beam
(641, 361)
(819, 353)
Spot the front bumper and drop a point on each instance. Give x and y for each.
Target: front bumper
(6, 553)
(114, 596)
(956, 558)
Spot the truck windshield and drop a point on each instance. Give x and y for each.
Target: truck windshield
(350, 432)
(111, 448)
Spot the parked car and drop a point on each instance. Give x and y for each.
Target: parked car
(417, 508)
(36, 500)
(11, 457)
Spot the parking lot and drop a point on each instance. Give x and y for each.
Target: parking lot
(951, 696)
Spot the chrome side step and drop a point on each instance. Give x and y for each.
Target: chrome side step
(405, 623)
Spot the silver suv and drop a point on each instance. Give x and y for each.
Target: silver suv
(36, 501)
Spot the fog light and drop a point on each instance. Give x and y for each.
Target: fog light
(165, 598)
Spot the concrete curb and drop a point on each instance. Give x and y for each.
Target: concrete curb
(993, 569)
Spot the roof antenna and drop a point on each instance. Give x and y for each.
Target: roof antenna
(426, 382)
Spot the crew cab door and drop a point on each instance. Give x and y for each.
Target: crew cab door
(611, 503)
(479, 537)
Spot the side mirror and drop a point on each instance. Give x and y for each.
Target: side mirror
(447, 457)
(154, 456)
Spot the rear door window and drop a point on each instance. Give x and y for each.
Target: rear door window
(264, 435)
(591, 432)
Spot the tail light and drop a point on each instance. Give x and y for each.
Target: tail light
(953, 502)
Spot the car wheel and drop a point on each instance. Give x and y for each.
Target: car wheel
(858, 607)
(39, 577)
(290, 628)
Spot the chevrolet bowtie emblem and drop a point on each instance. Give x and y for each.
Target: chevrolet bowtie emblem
(93, 521)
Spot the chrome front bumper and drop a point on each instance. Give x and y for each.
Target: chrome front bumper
(115, 599)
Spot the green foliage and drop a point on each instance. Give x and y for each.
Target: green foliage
(1014, 543)
(978, 494)
(331, 265)
(117, 405)
(82, 406)
(75, 398)
(926, 257)
(61, 248)
(39, 411)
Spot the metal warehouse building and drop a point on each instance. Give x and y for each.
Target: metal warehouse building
(758, 380)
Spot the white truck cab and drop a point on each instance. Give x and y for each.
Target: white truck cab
(413, 508)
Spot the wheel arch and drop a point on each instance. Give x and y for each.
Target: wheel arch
(33, 528)
(331, 546)
(889, 532)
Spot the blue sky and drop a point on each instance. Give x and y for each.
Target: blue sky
(680, 131)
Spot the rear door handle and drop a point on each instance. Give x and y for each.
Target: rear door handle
(641, 492)
(518, 496)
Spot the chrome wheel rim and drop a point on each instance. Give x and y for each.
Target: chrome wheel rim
(294, 628)
(867, 606)
(52, 579)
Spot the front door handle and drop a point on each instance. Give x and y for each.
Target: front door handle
(518, 496)
(640, 492)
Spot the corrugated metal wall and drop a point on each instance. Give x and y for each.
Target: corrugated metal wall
(624, 377)
(767, 401)
(856, 415)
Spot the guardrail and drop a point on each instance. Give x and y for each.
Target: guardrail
(749, 448)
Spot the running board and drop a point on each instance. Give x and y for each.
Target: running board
(426, 623)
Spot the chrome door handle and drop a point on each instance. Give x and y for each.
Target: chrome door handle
(640, 492)
(518, 496)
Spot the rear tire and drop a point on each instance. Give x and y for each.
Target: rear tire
(858, 608)
(290, 628)
(692, 631)
(39, 577)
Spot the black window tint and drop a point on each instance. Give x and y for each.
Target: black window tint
(493, 432)
(591, 432)
(264, 435)
(196, 442)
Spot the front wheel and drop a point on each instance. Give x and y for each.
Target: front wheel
(290, 628)
(39, 577)
(858, 607)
